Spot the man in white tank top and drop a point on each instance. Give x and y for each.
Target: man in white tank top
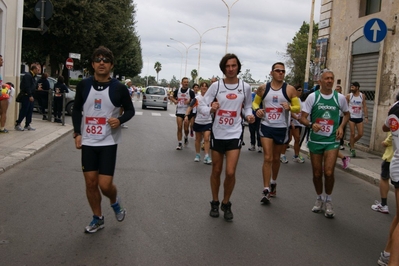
(358, 114)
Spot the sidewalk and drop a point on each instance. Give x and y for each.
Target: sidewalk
(17, 146)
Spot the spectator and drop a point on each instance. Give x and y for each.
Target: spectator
(27, 87)
(59, 89)
(43, 87)
(4, 97)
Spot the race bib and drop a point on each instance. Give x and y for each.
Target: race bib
(95, 127)
(274, 114)
(226, 118)
(356, 109)
(181, 101)
(327, 127)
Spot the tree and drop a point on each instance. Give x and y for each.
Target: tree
(80, 26)
(246, 76)
(194, 74)
(296, 54)
(157, 67)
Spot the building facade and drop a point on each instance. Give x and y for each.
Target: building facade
(375, 65)
(11, 17)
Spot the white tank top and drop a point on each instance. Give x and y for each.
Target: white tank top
(202, 119)
(275, 114)
(97, 109)
(181, 107)
(356, 106)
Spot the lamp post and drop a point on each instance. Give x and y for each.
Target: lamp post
(310, 39)
(200, 42)
(185, 70)
(228, 22)
(181, 63)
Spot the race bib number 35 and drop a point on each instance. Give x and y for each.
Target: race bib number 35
(327, 127)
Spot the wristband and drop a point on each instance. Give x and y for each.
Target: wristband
(76, 134)
(310, 125)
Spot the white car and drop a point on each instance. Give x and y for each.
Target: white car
(155, 96)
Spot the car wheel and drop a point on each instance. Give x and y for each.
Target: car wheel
(143, 107)
(69, 108)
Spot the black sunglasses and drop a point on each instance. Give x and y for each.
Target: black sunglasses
(279, 70)
(104, 59)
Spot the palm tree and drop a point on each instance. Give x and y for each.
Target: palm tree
(157, 67)
(194, 74)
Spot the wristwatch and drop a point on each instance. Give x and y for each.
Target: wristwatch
(310, 125)
(76, 134)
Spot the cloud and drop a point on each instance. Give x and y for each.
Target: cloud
(258, 34)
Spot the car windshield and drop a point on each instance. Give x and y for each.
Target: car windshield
(156, 91)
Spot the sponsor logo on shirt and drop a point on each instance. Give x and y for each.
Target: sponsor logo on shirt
(231, 96)
(97, 104)
(275, 99)
(393, 124)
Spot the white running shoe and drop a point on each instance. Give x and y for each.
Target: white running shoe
(379, 208)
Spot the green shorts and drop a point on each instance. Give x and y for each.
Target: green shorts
(318, 148)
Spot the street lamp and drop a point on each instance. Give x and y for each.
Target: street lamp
(200, 42)
(228, 22)
(185, 71)
(181, 63)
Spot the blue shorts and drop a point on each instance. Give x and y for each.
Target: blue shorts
(279, 135)
(202, 128)
(356, 120)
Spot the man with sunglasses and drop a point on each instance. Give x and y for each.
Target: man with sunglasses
(278, 99)
(97, 132)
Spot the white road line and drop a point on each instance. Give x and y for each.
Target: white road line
(138, 113)
(172, 115)
(156, 114)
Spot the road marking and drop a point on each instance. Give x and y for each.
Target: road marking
(139, 113)
(156, 114)
(172, 115)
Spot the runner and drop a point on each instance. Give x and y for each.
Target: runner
(324, 106)
(182, 98)
(276, 97)
(225, 98)
(97, 133)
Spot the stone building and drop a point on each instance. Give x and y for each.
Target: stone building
(375, 65)
(11, 17)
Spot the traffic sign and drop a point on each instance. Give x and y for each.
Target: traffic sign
(46, 7)
(69, 63)
(375, 30)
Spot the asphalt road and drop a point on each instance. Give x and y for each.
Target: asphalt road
(44, 210)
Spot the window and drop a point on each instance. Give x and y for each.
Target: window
(368, 7)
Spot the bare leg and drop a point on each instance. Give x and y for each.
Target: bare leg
(217, 165)
(267, 145)
(317, 168)
(179, 122)
(230, 180)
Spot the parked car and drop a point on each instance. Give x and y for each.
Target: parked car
(155, 96)
(70, 96)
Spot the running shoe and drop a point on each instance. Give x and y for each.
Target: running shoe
(179, 147)
(124, 126)
(4, 131)
(214, 209)
(298, 159)
(283, 158)
(18, 128)
(329, 212)
(252, 148)
(383, 260)
(191, 133)
(273, 191)
(207, 160)
(120, 212)
(379, 208)
(260, 149)
(341, 147)
(318, 206)
(266, 197)
(29, 128)
(185, 141)
(197, 158)
(95, 225)
(345, 162)
(353, 153)
(226, 208)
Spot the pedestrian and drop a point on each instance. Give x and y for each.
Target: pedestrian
(278, 99)
(43, 87)
(225, 99)
(202, 126)
(182, 98)
(390, 255)
(323, 106)
(254, 129)
(358, 115)
(196, 89)
(4, 101)
(59, 93)
(27, 87)
(97, 133)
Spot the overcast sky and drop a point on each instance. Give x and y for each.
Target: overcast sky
(258, 35)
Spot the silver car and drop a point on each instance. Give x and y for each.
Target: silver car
(155, 96)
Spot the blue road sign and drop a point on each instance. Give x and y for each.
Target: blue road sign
(375, 30)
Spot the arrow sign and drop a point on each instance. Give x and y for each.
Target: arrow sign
(375, 30)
